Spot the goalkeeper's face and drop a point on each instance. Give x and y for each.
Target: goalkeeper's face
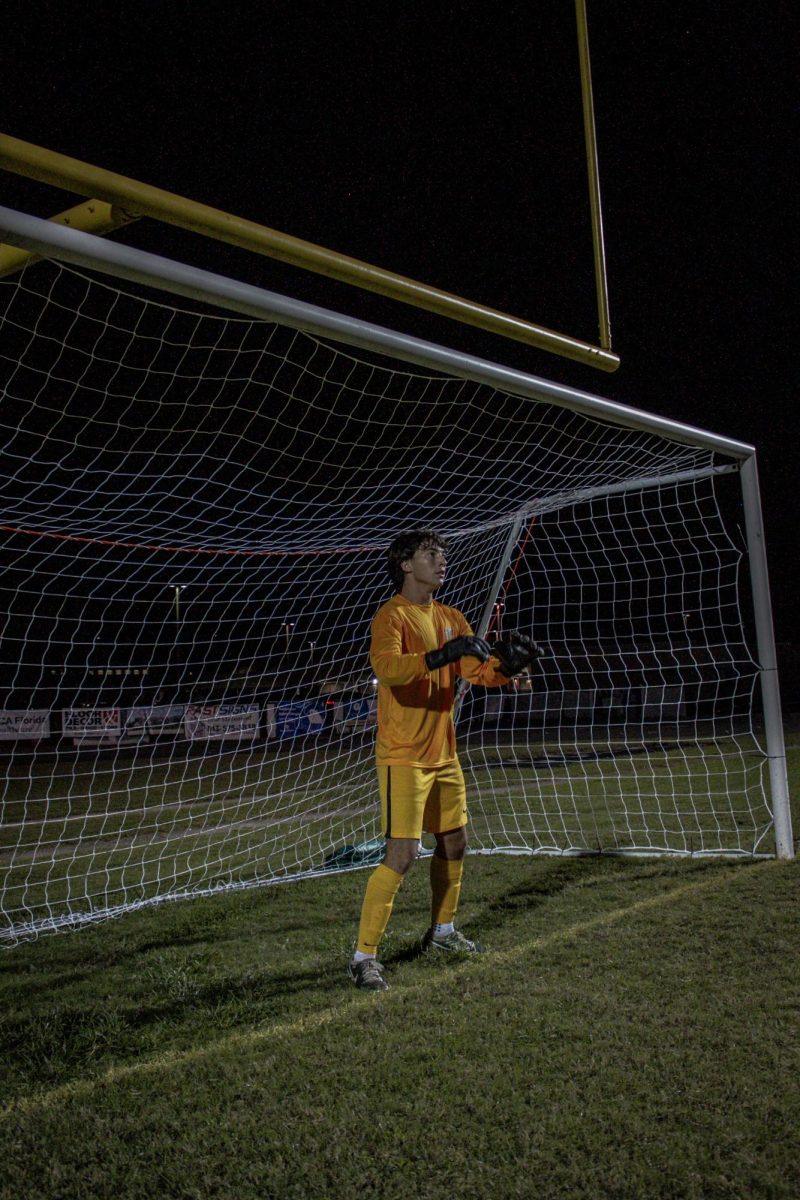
(427, 567)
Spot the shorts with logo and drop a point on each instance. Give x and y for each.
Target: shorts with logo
(417, 798)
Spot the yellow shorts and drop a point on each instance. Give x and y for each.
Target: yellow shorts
(417, 798)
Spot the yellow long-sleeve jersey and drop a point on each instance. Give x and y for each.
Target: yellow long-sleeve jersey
(415, 705)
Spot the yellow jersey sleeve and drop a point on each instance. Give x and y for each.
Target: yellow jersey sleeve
(395, 652)
(415, 705)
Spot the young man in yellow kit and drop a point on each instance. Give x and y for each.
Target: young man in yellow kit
(418, 649)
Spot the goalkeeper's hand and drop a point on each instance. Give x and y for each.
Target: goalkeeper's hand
(516, 652)
(455, 649)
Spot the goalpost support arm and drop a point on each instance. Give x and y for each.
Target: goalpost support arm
(500, 573)
(92, 216)
(142, 199)
(493, 593)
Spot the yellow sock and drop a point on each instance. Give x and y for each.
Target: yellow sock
(445, 888)
(379, 897)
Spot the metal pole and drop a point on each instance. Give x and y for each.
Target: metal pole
(141, 199)
(500, 573)
(491, 598)
(765, 636)
(127, 262)
(558, 500)
(92, 216)
(590, 136)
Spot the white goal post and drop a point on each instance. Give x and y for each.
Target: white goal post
(200, 480)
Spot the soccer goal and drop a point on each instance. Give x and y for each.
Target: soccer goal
(200, 481)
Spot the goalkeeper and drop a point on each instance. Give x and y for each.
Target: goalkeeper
(418, 648)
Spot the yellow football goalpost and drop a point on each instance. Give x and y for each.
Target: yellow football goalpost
(115, 200)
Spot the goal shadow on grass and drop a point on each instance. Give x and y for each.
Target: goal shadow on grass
(550, 879)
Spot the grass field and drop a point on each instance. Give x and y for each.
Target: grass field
(632, 1031)
(81, 834)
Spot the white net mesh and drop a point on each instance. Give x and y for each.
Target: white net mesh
(195, 512)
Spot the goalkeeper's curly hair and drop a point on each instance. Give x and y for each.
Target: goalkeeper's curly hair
(405, 546)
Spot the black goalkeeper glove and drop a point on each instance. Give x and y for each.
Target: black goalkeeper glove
(516, 652)
(455, 649)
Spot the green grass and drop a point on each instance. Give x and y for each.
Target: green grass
(83, 835)
(632, 1032)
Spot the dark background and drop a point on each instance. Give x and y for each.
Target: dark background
(444, 141)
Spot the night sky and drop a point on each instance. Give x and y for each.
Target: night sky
(444, 141)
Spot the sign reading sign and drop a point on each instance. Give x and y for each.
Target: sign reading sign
(216, 722)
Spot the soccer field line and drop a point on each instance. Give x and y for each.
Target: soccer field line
(313, 1021)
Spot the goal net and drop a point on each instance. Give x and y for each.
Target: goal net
(196, 507)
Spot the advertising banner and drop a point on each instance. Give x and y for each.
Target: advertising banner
(134, 722)
(299, 718)
(18, 723)
(154, 719)
(92, 726)
(165, 718)
(217, 722)
(357, 713)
